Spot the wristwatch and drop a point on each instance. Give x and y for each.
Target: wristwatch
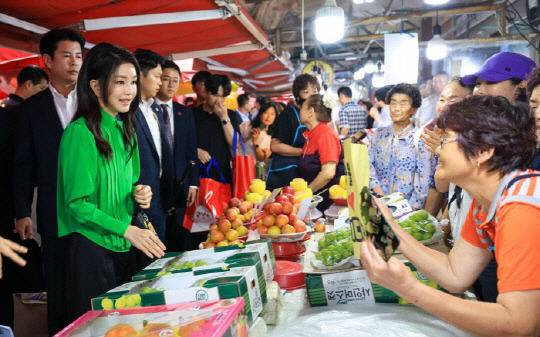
(225, 121)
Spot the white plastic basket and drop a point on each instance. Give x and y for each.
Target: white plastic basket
(437, 236)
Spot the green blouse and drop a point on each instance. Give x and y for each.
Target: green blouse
(95, 195)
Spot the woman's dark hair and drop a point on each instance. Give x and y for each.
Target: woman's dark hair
(301, 82)
(148, 60)
(459, 80)
(368, 104)
(49, 42)
(406, 89)
(521, 93)
(213, 83)
(533, 81)
(257, 121)
(323, 113)
(485, 122)
(100, 64)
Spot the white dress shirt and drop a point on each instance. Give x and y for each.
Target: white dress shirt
(153, 124)
(171, 112)
(65, 106)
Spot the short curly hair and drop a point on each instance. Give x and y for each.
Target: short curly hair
(406, 89)
(301, 82)
(533, 81)
(485, 122)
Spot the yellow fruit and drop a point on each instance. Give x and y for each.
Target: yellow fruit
(267, 193)
(299, 185)
(107, 304)
(274, 231)
(222, 243)
(343, 182)
(254, 197)
(242, 231)
(257, 186)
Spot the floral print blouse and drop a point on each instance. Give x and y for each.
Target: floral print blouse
(397, 165)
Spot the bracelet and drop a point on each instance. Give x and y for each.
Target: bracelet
(225, 121)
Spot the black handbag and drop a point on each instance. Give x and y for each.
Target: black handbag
(180, 197)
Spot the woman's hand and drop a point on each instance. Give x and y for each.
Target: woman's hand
(393, 274)
(192, 196)
(143, 196)
(10, 249)
(255, 132)
(145, 240)
(204, 157)
(432, 139)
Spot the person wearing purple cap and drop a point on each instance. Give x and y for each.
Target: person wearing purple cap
(503, 74)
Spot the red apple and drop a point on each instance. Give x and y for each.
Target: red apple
(293, 218)
(290, 197)
(231, 214)
(275, 208)
(288, 190)
(263, 229)
(248, 204)
(243, 209)
(234, 202)
(287, 207)
(282, 220)
(268, 220)
(288, 229)
(300, 227)
(236, 223)
(282, 198)
(224, 225)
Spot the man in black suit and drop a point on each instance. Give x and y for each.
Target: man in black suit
(41, 121)
(30, 81)
(154, 149)
(180, 130)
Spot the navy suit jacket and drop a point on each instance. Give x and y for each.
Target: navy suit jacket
(150, 166)
(185, 144)
(39, 132)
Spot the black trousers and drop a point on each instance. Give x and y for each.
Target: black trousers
(92, 270)
(486, 284)
(6, 293)
(54, 269)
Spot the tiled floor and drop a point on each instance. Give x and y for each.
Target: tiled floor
(30, 319)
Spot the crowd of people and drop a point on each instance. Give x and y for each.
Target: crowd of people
(100, 140)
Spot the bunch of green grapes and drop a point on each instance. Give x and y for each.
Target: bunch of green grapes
(186, 265)
(333, 238)
(419, 225)
(335, 253)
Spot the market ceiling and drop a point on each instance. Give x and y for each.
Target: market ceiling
(238, 41)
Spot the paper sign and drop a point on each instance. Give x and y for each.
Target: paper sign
(400, 66)
(350, 287)
(304, 206)
(341, 223)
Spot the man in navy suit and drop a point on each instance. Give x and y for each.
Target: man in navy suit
(154, 148)
(180, 130)
(42, 119)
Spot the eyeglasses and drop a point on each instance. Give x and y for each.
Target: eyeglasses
(447, 140)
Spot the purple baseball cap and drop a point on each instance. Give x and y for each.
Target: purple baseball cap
(501, 67)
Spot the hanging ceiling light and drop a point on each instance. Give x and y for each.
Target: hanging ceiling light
(329, 22)
(378, 80)
(436, 47)
(436, 2)
(359, 74)
(370, 67)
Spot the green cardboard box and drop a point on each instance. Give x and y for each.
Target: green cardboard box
(195, 286)
(214, 257)
(353, 287)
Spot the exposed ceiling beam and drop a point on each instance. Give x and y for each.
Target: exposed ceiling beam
(386, 12)
(216, 51)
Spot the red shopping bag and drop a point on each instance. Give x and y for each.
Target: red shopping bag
(243, 168)
(213, 198)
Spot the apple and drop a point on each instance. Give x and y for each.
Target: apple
(210, 245)
(236, 223)
(219, 218)
(232, 235)
(241, 217)
(214, 227)
(293, 218)
(217, 236)
(248, 204)
(263, 229)
(268, 220)
(234, 202)
(288, 190)
(290, 197)
(274, 231)
(287, 207)
(231, 214)
(300, 226)
(319, 227)
(288, 229)
(242, 231)
(282, 198)
(224, 225)
(275, 208)
(243, 209)
(282, 220)
(222, 243)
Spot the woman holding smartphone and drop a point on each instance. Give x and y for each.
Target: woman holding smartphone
(98, 166)
(263, 125)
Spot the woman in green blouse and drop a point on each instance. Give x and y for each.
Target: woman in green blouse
(98, 166)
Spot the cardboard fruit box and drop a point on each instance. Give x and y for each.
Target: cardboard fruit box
(212, 258)
(202, 285)
(354, 287)
(203, 319)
